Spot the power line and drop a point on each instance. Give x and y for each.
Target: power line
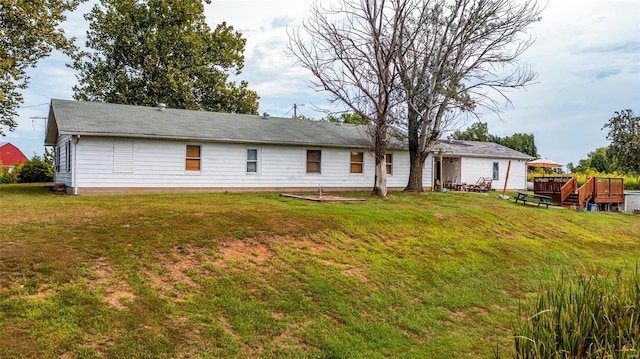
(42, 104)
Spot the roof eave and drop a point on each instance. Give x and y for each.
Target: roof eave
(204, 139)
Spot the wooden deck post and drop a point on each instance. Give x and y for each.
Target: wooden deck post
(506, 180)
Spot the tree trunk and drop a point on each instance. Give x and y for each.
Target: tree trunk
(380, 185)
(416, 160)
(416, 165)
(380, 152)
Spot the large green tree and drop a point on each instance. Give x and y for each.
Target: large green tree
(523, 142)
(29, 31)
(162, 51)
(624, 150)
(478, 131)
(596, 160)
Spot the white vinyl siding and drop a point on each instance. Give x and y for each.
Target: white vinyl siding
(473, 168)
(161, 164)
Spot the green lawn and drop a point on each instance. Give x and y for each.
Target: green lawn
(435, 275)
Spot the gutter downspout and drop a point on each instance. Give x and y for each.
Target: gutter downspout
(74, 182)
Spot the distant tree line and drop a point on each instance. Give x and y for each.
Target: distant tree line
(479, 131)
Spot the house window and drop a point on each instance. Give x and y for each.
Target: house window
(57, 159)
(496, 170)
(67, 148)
(314, 161)
(193, 158)
(252, 160)
(389, 161)
(357, 162)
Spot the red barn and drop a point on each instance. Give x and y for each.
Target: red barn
(10, 155)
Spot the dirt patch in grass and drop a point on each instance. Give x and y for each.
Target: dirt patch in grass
(241, 251)
(309, 245)
(290, 338)
(347, 270)
(169, 272)
(116, 290)
(455, 315)
(458, 315)
(439, 216)
(42, 291)
(356, 273)
(183, 259)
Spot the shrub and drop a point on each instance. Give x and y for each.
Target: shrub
(8, 175)
(582, 317)
(35, 170)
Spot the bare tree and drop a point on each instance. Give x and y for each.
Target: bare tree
(350, 49)
(457, 56)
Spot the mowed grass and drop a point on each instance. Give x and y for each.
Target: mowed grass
(435, 275)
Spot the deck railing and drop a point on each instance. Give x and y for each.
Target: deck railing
(585, 193)
(568, 188)
(550, 186)
(609, 190)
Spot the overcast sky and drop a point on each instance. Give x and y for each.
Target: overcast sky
(586, 54)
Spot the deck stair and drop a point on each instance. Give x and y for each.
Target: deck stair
(571, 200)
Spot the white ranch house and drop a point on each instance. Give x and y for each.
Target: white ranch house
(103, 148)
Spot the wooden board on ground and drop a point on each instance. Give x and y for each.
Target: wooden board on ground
(323, 198)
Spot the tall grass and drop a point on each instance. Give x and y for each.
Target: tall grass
(593, 316)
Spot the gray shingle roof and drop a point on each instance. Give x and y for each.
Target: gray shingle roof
(478, 149)
(68, 117)
(105, 119)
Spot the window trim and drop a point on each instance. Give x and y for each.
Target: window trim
(319, 162)
(192, 158)
(352, 162)
(256, 161)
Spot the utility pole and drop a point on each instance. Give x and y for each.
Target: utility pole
(295, 109)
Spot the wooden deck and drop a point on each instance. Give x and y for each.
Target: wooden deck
(604, 191)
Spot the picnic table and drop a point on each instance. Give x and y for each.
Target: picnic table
(532, 197)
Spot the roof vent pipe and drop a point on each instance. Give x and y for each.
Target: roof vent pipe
(339, 122)
(265, 115)
(162, 106)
